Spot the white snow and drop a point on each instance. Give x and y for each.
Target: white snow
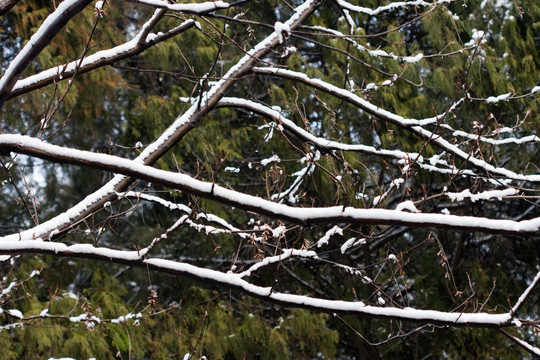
(195, 8)
(496, 99)
(393, 5)
(408, 206)
(15, 313)
(324, 240)
(8, 289)
(413, 59)
(477, 38)
(486, 195)
(282, 31)
(279, 231)
(371, 86)
(232, 169)
(278, 258)
(150, 37)
(378, 53)
(350, 243)
(269, 160)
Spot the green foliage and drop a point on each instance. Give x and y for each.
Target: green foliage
(111, 109)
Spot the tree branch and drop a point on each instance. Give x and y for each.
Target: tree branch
(337, 214)
(50, 27)
(234, 281)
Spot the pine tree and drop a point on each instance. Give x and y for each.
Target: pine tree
(318, 122)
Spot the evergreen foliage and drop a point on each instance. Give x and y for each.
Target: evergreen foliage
(86, 308)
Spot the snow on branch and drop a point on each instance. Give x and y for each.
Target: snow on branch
(414, 125)
(286, 254)
(486, 195)
(193, 8)
(392, 6)
(525, 295)
(525, 345)
(496, 132)
(34, 147)
(345, 94)
(320, 143)
(232, 280)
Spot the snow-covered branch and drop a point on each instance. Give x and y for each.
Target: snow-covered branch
(236, 281)
(414, 125)
(389, 7)
(193, 8)
(320, 143)
(34, 147)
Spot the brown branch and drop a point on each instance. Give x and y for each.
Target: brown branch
(6, 5)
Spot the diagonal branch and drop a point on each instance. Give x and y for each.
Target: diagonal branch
(193, 8)
(6, 5)
(525, 295)
(50, 27)
(101, 58)
(530, 348)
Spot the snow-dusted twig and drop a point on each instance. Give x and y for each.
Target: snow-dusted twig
(491, 141)
(286, 254)
(485, 195)
(193, 8)
(389, 7)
